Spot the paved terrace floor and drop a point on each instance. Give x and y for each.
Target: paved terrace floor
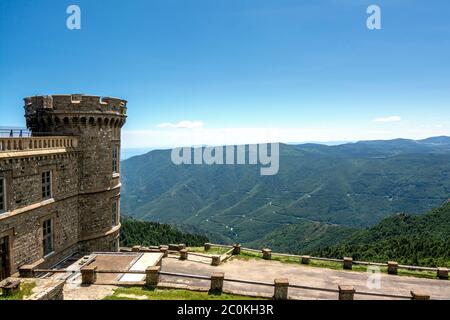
(267, 271)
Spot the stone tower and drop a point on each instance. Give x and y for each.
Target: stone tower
(97, 123)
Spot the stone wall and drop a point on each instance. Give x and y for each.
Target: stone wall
(83, 182)
(47, 289)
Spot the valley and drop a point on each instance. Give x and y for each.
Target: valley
(320, 196)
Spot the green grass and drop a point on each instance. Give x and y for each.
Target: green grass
(138, 293)
(418, 274)
(25, 291)
(212, 251)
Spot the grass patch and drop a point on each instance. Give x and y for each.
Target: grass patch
(25, 291)
(418, 274)
(212, 251)
(138, 293)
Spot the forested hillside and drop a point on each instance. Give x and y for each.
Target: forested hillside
(303, 237)
(352, 185)
(134, 232)
(417, 240)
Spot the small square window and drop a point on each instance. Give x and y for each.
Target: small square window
(115, 159)
(115, 212)
(2, 195)
(46, 184)
(47, 236)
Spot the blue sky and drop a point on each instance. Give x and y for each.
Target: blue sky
(237, 71)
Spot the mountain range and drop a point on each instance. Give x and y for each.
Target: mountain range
(320, 196)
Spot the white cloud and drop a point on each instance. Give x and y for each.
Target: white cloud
(388, 119)
(184, 124)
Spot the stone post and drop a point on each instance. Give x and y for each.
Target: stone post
(305, 259)
(237, 249)
(164, 250)
(417, 295)
(215, 260)
(281, 289)
(217, 282)
(346, 292)
(182, 246)
(267, 254)
(152, 276)
(26, 271)
(183, 254)
(207, 246)
(88, 274)
(442, 273)
(392, 267)
(348, 263)
(10, 287)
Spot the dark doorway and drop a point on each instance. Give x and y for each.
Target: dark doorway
(4, 258)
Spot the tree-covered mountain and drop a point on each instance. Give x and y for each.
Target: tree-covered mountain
(417, 240)
(145, 233)
(350, 185)
(303, 237)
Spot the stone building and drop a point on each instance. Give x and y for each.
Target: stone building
(60, 187)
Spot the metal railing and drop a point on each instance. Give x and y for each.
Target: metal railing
(14, 132)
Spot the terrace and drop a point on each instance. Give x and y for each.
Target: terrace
(19, 142)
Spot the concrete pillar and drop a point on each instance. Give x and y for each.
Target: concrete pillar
(346, 292)
(348, 263)
(237, 249)
(217, 282)
(305, 259)
(88, 274)
(417, 295)
(267, 254)
(442, 273)
(207, 246)
(136, 248)
(183, 254)
(152, 276)
(392, 267)
(281, 289)
(215, 260)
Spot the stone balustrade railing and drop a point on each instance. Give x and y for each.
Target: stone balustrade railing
(37, 143)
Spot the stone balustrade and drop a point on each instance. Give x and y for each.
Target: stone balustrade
(37, 143)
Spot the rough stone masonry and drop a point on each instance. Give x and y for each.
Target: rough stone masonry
(61, 186)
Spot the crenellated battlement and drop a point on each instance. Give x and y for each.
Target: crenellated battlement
(71, 114)
(74, 103)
